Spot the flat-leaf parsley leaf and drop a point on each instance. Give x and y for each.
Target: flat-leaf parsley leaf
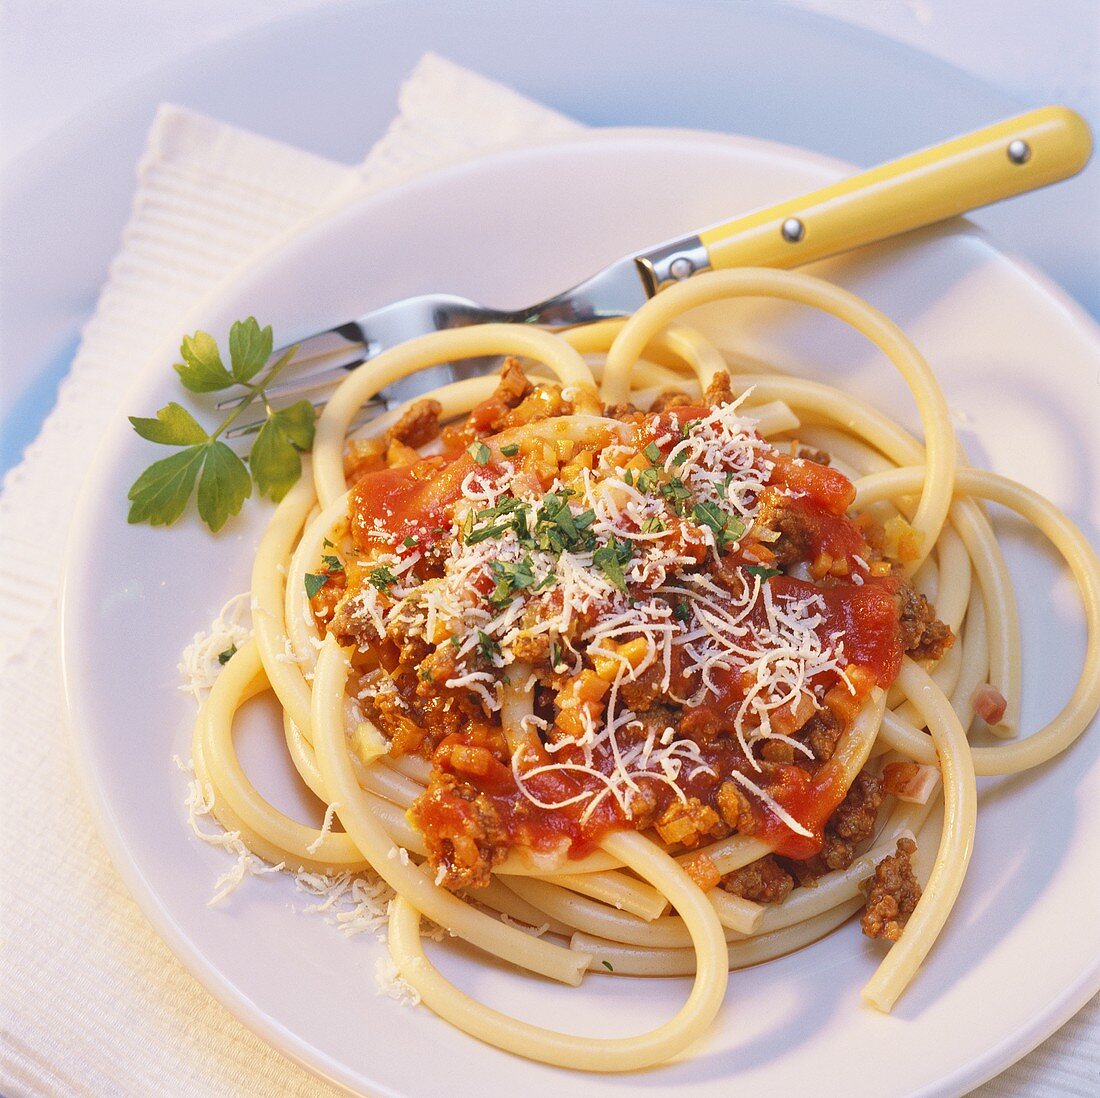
(276, 454)
(174, 426)
(762, 572)
(314, 582)
(161, 494)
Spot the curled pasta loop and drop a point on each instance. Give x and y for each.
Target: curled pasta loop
(807, 290)
(434, 350)
(1075, 715)
(569, 1050)
(630, 905)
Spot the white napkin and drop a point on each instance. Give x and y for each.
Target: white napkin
(91, 1001)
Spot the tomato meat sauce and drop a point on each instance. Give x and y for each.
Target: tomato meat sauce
(561, 797)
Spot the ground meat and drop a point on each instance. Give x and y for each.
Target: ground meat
(643, 805)
(777, 751)
(513, 386)
(923, 635)
(438, 665)
(821, 733)
(461, 829)
(892, 894)
(532, 648)
(719, 391)
(396, 721)
(851, 824)
(735, 808)
(689, 822)
(791, 524)
(764, 881)
(412, 651)
(855, 818)
(818, 457)
(419, 424)
(641, 693)
(670, 398)
(624, 411)
(351, 624)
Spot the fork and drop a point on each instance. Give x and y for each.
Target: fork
(1011, 157)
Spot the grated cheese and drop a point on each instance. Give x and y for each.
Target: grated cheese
(738, 629)
(326, 828)
(200, 663)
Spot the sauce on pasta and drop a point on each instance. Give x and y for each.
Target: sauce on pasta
(750, 615)
(631, 650)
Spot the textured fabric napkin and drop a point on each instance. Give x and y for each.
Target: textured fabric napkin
(91, 1001)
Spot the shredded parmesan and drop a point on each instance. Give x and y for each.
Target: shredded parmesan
(699, 497)
(205, 656)
(391, 984)
(326, 828)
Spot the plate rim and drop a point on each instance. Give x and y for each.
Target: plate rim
(188, 952)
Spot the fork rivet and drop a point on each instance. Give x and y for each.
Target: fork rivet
(681, 268)
(1019, 152)
(793, 230)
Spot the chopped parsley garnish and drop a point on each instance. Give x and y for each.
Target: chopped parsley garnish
(489, 647)
(410, 542)
(314, 582)
(727, 529)
(556, 658)
(628, 477)
(332, 564)
(557, 529)
(511, 576)
(675, 492)
(682, 610)
(648, 478)
(653, 525)
(510, 450)
(762, 572)
(608, 965)
(610, 559)
(227, 655)
(382, 578)
(479, 452)
(508, 514)
(456, 644)
(653, 453)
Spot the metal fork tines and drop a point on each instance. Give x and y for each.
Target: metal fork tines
(324, 359)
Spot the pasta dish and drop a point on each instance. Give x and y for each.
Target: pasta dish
(674, 662)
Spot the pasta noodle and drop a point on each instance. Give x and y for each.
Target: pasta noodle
(629, 897)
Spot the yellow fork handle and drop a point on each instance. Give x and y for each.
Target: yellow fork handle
(1005, 159)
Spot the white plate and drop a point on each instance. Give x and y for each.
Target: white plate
(1020, 366)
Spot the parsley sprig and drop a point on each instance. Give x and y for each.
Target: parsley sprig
(160, 495)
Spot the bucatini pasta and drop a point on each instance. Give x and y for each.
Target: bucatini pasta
(641, 650)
